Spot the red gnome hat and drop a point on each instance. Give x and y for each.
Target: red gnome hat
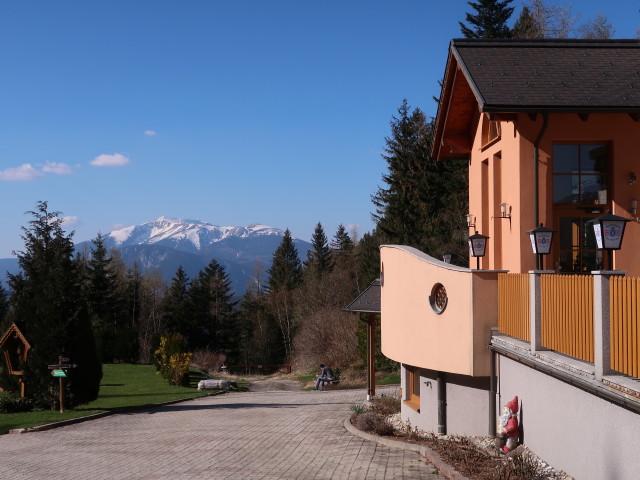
(513, 405)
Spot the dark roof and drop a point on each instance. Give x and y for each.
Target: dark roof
(368, 301)
(518, 75)
(511, 76)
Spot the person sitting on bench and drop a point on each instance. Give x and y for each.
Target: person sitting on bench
(326, 375)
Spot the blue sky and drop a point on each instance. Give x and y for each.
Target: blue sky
(234, 113)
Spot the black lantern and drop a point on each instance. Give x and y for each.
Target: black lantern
(541, 239)
(477, 246)
(609, 230)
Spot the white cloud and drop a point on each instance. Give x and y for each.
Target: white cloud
(70, 221)
(150, 133)
(24, 172)
(57, 168)
(106, 160)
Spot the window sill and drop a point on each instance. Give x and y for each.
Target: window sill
(490, 143)
(412, 404)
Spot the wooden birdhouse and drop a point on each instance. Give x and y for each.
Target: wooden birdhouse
(15, 348)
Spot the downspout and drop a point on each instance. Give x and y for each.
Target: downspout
(442, 403)
(536, 175)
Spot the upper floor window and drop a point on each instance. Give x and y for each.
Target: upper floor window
(490, 131)
(580, 174)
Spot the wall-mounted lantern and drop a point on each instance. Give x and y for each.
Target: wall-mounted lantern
(505, 210)
(477, 246)
(471, 221)
(541, 239)
(609, 231)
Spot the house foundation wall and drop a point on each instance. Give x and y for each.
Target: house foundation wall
(467, 404)
(586, 436)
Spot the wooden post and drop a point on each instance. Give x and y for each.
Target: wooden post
(61, 394)
(61, 360)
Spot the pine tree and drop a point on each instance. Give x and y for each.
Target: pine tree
(319, 259)
(175, 306)
(47, 299)
(425, 202)
(342, 243)
(489, 21)
(369, 259)
(527, 26)
(285, 271)
(284, 277)
(258, 336)
(401, 207)
(211, 306)
(4, 309)
(114, 340)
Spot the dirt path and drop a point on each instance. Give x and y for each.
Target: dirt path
(273, 383)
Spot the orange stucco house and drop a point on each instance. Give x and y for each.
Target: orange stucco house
(551, 131)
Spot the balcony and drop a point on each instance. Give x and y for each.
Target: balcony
(587, 324)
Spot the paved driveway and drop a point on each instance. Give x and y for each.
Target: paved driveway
(253, 435)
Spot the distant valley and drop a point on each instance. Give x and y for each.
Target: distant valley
(166, 243)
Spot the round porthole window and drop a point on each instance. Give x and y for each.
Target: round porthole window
(438, 298)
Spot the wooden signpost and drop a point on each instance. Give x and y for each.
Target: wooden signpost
(59, 371)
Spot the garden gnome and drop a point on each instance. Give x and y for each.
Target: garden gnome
(508, 425)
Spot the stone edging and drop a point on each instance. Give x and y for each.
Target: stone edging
(95, 416)
(431, 456)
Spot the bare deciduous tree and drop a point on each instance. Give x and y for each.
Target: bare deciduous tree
(600, 28)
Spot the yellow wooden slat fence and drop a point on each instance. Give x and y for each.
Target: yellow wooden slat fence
(513, 305)
(624, 324)
(567, 314)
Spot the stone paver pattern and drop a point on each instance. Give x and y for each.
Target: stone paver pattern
(249, 436)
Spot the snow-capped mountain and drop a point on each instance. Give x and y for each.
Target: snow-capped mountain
(192, 236)
(164, 244)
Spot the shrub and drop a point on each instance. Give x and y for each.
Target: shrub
(208, 361)
(521, 466)
(358, 408)
(385, 405)
(171, 362)
(15, 405)
(373, 422)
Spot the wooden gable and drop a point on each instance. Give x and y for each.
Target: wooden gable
(15, 348)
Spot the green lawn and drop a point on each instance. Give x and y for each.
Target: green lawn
(122, 386)
(388, 378)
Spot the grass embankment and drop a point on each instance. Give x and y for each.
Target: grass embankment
(122, 386)
(349, 378)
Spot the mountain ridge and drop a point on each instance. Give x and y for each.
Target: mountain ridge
(165, 243)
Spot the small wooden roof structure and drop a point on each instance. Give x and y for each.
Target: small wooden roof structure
(15, 348)
(369, 302)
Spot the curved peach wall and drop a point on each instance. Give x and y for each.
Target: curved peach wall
(412, 333)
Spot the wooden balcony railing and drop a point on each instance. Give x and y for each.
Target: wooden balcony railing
(625, 327)
(513, 305)
(567, 314)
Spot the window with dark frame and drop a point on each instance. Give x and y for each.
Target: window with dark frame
(580, 193)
